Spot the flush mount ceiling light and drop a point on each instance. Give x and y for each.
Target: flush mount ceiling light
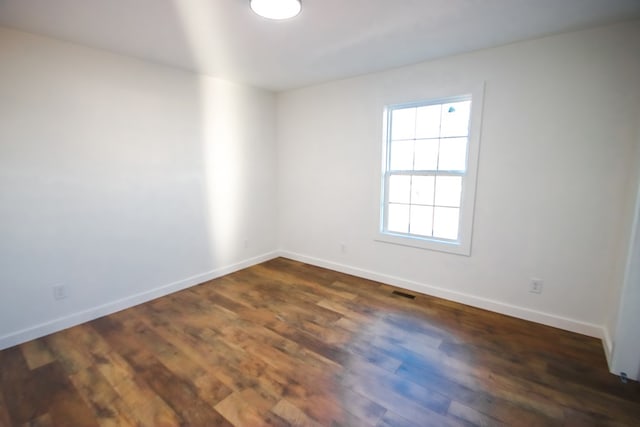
(276, 9)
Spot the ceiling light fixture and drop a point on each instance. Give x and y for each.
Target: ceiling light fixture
(276, 9)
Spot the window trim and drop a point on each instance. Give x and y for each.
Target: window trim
(462, 246)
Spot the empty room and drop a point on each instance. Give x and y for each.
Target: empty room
(319, 213)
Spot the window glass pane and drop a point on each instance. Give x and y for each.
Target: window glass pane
(422, 190)
(402, 155)
(426, 154)
(455, 119)
(448, 190)
(403, 123)
(445, 223)
(421, 220)
(399, 188)
(428, 149)
(453, 154)
(428, 121)
(398, 220)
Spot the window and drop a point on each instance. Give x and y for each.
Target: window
(428, 183)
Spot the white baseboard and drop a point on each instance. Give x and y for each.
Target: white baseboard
(92, 313)
(548, 319)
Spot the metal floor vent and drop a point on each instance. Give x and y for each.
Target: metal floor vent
(402, 294)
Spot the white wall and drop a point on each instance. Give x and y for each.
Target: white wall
(122, 180)
(622, 332)
(556, 156)
(625, 354)
(629, 215)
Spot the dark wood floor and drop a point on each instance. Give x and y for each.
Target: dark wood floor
(284, 343)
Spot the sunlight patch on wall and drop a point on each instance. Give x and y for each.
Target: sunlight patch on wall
(223, 156)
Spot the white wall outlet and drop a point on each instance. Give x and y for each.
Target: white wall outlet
(535, 286)
(59, 292)
(343, 248)
(246, 243)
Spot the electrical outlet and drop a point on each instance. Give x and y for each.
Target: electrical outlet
(246, 243)
(59, 292)
(535, 286)
(343, 248)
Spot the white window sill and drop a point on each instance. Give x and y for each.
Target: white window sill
(457, 247)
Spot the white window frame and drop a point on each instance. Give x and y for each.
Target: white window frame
(462, 246)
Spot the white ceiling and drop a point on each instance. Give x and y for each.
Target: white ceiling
(330, 39)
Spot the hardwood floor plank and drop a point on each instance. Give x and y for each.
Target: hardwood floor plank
(245, 408)
(209, 351)
(22, 397)
(4, 411)
(476, 418)
(43, 420)
(61, 398)
(36, 353)
(392, 419)
(293, 415)
(118, 376)
(180, 395)
(277, 350)
(285, 343)
(207, 387)
(105, 401)
(144, 351)
(364, 411)
(362, 353)
(363, 377)
(73, 358)
(318, 404)
(311, 288)
(145, 404)
(479, 394)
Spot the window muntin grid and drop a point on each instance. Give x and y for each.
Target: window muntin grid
(425, 168)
